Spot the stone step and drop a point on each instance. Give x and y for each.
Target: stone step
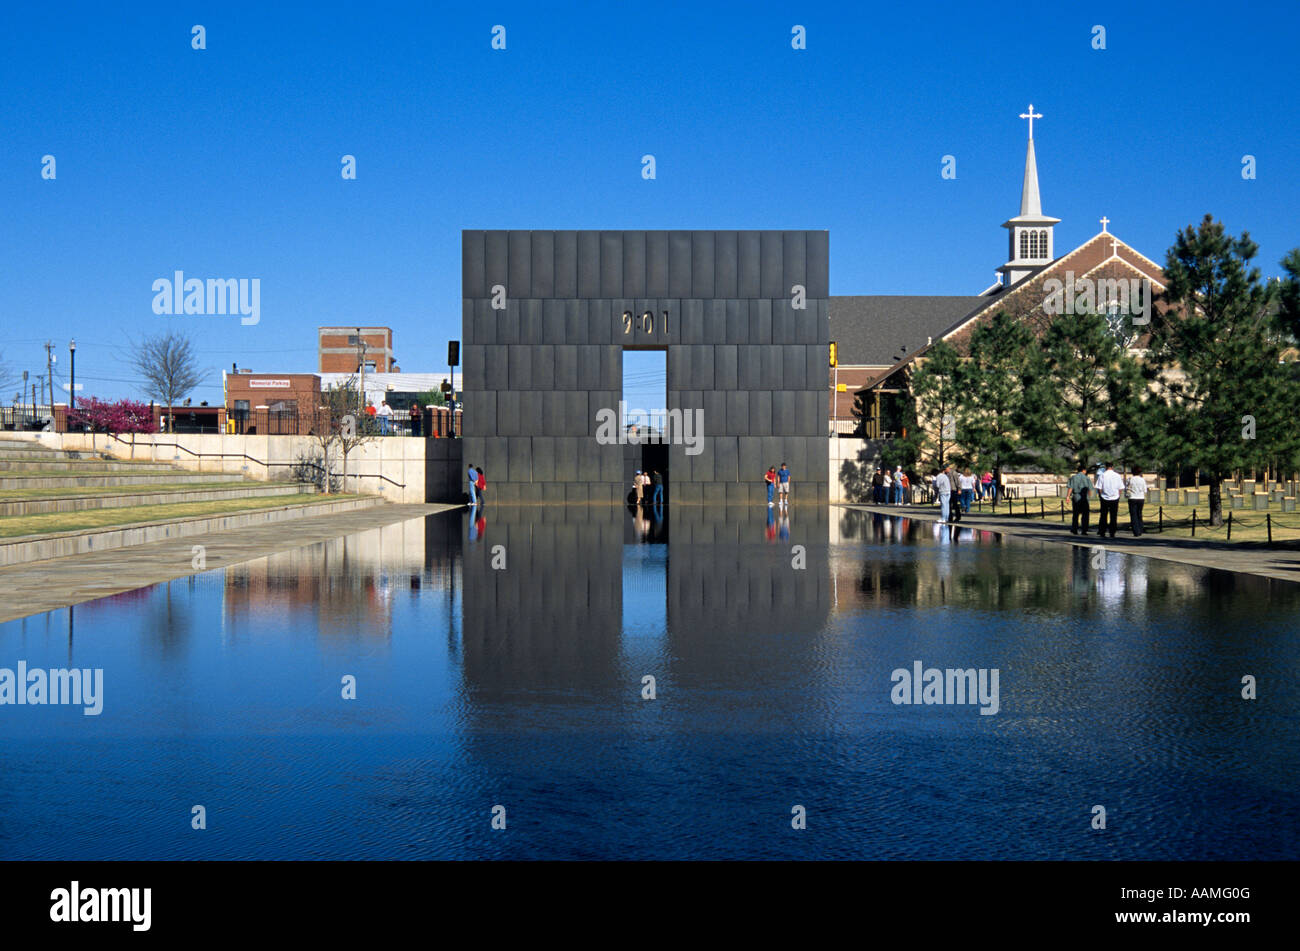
(28, 548)
(172, 476)
(80, 503)
(88, 466)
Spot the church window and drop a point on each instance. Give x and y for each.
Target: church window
(1024, 245)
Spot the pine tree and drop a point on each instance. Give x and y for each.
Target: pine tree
(937, 388)
(1076, 410)
(1004, 366)
(1227, 400)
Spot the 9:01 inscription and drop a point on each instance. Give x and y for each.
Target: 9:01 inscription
(646, 322)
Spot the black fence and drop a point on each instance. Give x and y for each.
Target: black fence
(434, 421)
(24, 418)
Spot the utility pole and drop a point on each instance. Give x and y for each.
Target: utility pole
(361, 363)
(49, 372)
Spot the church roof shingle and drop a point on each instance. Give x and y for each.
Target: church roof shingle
(871, 330)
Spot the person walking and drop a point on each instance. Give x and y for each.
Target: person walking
(636, 487)
(943, 492)
(481, 484)
(986, 484)
(1136, 491)
(967, 482)
(954, 507)
(877, 486)
(886, 488)
(657, 480)
(416, 416)
(770, 478)
(905, 495)
(1109, 487)
(1078, 489)
(385, 418)
(783, 485)
(472, 473)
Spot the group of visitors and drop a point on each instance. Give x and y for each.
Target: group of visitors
(949, 493)
(383, 417)
(477, 486)
(644, 480)
(895, 488)
(1108, 485)
(778, 483)
(891, 488)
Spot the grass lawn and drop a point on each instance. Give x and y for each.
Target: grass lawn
(13, 495)
(15, 525)
(6, 474)
(1247, 525)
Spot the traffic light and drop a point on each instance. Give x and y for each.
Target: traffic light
(453, 353)
(834, 354)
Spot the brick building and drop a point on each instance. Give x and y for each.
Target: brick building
(271, 403)
(344, 349)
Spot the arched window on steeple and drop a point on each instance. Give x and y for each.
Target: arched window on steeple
(1024, 245)
(1042, 244)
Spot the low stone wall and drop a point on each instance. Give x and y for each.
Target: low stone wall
(394, 467)
(61, 544)
(852, 461)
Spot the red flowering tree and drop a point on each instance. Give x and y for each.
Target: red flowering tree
(124, 416)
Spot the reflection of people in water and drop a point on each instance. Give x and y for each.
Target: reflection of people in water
(785, 524)
(477, 522)
(771, 524)
(641, 523)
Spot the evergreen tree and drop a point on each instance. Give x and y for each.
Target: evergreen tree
(937, 388)
(1084, 402)
(1005, 365)
(1227, 399)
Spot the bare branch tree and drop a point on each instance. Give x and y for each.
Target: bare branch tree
(168, 365)
(8, 375)
(340, 426)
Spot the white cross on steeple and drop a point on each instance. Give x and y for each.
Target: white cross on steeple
(1114, 248)
(1104, 222)
(1031, 116)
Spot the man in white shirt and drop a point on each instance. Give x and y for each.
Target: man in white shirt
(1109, 487)
(943, 489)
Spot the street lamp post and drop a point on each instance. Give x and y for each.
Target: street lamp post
(72, 373)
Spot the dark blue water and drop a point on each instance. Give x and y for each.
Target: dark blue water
(521, 687)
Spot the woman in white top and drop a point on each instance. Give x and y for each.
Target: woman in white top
(966, 482)
(1135, 490)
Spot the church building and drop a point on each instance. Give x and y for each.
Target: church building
(879, 338)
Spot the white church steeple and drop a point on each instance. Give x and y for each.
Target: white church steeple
(1031, 230)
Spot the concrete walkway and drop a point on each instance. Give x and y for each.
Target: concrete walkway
(1254, 558)
(45, 585)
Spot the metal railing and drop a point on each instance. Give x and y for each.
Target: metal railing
(301, 463)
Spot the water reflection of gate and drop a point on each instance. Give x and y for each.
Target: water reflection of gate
(553, 618)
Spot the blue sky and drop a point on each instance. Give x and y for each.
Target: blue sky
(225, 162)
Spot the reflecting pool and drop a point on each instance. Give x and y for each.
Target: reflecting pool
(504, 659)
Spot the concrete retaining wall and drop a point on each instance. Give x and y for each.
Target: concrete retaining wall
(19, 551)
(393, 467)
(82, 503)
